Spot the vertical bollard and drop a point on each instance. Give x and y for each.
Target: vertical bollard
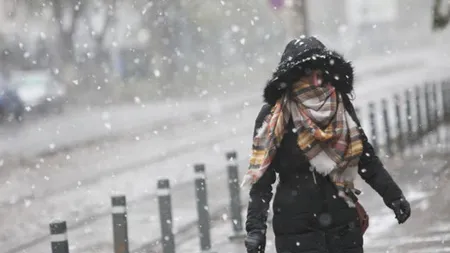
(420, 129)
(58, 232)
(435, 110)
(446, 100)
(165, 216)
(235, 196)
(387, 128)
(409, 116)
(373, 125)
(444, 118)
(435, 106)
(445, 87)
(202, 208)
(400, 143)
(120, 224)
(426, 93)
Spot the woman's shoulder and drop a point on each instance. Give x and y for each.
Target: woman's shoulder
(265, 110)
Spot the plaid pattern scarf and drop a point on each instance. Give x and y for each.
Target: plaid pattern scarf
(326, 133)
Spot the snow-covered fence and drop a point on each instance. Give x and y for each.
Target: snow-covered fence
(432, 108)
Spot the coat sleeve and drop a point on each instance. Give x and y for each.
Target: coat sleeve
(370, 167)
(261, 191)
(372, 170)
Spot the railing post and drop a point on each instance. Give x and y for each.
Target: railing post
(58, 232)
(120, 224)
(409, 116)
(373, 125)
(235, 196)
(426, 91)
(446, 100)
(165, 216)
(387, 128)
(435, 106)
(398, 115)
(204, 220)
(420, 129)
(445, 88)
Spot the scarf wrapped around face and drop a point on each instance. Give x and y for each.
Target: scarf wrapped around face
(327, 135)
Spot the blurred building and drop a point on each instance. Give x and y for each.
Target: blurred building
(213, 45)
(361, 27)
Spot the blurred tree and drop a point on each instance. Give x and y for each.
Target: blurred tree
(69, 14)
(63, 10)
(440, 21)
(163, 17)
(106, 10)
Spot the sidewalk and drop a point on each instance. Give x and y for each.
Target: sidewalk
(83, 127)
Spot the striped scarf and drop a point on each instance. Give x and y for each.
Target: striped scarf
(327, 134)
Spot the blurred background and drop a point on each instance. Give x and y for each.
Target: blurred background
(111, 51)
(101, 97)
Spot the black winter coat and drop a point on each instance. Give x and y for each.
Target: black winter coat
(308, 214)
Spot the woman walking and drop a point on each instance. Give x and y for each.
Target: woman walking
(308, 134)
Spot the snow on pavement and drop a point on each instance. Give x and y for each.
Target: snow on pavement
(427, 230)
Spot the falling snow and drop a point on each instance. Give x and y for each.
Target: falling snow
(135, 92)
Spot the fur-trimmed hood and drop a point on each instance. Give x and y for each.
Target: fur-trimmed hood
(299, 58)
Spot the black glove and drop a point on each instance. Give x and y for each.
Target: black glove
(255, 242)
(402, 209)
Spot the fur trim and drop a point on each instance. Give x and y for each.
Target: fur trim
(337, 71)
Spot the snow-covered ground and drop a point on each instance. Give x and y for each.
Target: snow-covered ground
(126, 150)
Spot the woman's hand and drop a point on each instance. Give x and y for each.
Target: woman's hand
(255, 242)
(402, 209)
